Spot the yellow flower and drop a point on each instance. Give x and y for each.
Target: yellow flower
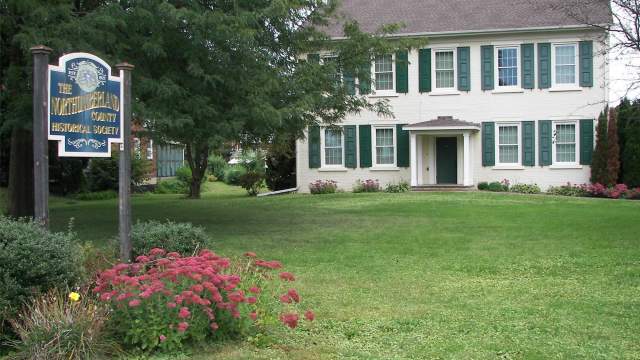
(74, 296)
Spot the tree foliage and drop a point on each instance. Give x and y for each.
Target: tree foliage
(599, 163)
(613, 151)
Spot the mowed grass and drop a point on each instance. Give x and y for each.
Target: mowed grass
(424, 275)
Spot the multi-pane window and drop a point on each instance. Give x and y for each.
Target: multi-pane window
(444, 69)
(565, 64)
(508, 147)
(508, 66)
(384, 72)
(332, 147)
(385, 146)
(332, 60)
(565, 143)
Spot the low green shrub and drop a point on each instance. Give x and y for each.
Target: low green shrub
(484, 186)
(525, 188)
(55, 326)
(368, 185)
(254, 172)
(183, 238)
(102, 173)
(233, 174)
(217, 166)
(183, 174)
(97, 195)
(497, 187)
(33, 261)
(323, 187)
(171, 186)
(567, 190)
(400, 187)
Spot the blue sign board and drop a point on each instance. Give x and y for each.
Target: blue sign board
(85, 106)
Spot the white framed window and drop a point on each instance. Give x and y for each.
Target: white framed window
(332, 141)
(508, 142)
(444, 69)
(384, 145)
(150, 149)
(507, 66)
(565, 143)
(383, 71)
(564, 65)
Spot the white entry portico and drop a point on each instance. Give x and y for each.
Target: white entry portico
(441, 152)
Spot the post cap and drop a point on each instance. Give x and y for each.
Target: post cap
(125, 66)
(41, 49)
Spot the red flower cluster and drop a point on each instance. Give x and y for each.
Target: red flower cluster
(188, 284)
(614, 192)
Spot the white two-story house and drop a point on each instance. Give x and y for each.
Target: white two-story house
(503, 90)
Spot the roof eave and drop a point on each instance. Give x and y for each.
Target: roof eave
(438, 128)
(595, 27)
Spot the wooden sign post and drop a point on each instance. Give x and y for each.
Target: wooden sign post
(40, 128)
(124, 178)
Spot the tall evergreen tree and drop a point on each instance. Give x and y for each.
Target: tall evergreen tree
(599, 162)
(613, 151)
(631, 155)
(624, 111)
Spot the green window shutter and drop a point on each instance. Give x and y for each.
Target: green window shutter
(314, 147)
(586, 141)
(424, 70)
(349, 83)
(528, 66)
(544, 65)
(487, 67)
(350, 147)
(528, 143)
(402, 72)
(488, 144)
(586, 63)
(544, 141)
(365, 145)
(364, 79)
(464, 68)
(402, 141)
(314, 58)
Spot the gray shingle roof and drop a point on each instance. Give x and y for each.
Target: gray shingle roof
(443, 121)
(437, 16)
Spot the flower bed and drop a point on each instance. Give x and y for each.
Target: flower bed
(164, 300)
(323, 187)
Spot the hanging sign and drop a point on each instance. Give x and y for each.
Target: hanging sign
(85, 106)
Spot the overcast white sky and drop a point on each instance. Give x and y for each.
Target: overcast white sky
(624, 68)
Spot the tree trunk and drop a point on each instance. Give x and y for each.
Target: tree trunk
(197, 157)
(21, 174)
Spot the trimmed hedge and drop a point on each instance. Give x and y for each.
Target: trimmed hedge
(183, 238)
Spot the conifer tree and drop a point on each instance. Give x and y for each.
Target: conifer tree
(631, 155)
(599, 163)
(613, 151)
(624, 111)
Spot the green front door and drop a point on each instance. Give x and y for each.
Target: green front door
(446, 160)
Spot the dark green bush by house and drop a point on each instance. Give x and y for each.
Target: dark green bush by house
(497, 187)
(400, 187)
(32, 261)
(217, 166)
(183, 238)
(233, 174)
(103, 173)
(483, 186)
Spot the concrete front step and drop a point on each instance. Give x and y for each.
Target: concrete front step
(443, 188)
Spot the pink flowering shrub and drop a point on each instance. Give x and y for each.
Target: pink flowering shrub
(163, 300)
(323, 187)
(614, 192)
(368, 185)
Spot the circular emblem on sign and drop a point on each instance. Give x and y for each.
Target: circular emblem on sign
(87, 76)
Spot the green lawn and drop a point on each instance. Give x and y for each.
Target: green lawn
(425, 275)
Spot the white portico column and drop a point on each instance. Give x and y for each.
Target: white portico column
(468, 177)
(413, 151)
